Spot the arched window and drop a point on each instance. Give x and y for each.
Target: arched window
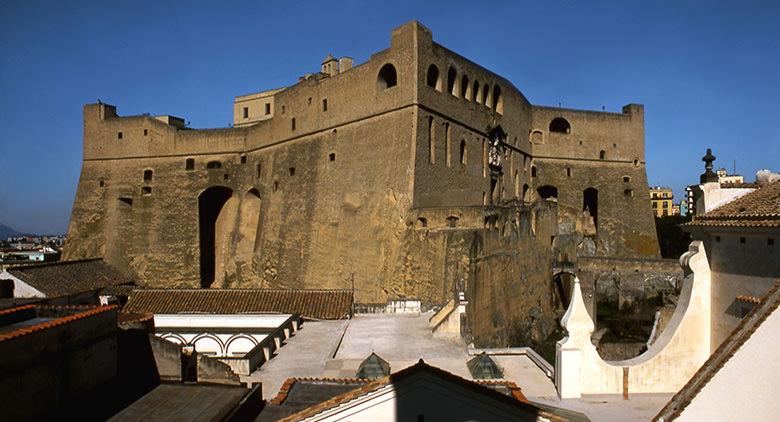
(462, 151)
(537, 137)
(387, 78)
(452, 76)
(452, 221)
(213, 165)
(526, 188)
(560, 125)
(464, 86)
(547, 192)
(602, 154)
(485, 93)
(590, 203)
(475, 92)
(147, 175)
(533, 171)
(498, 102)
(433, 77)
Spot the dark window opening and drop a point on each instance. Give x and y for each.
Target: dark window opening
(292, 171)
(213, 165)
(189, 164)
(126, 201)
(463, 152)
(560, 125)
(119, 135)
(267, 108)
(717, 238)
(452, 221)
(282, 109)
(547, 192)
(563, 283)
(742, 240)
(332, 156)
(225, 176)
(628, 193)
(246, 112)
(485, 92)
(590, 203)
(498, 102)
(452, 75)
(636, 162)
(422, 223)
(259, 170)
(433, 77)
(626, 179)
(292, 125)
(388, 78)
(475, 92)
(770, 241)
(568, 172)
(276, 186)
(602, 154)
(243, 158)
(525, 192)
(146, 191)
(324, 104)
(210, 204)
(146, 132)
(464, 86)
(102, 183)
(533, 171)
(147, 175)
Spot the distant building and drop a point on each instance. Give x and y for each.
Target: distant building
(725, 178)
(662, 201)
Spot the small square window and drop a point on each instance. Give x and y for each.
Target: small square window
(324, 104)
(267, 108)
(332, 156)
(102, 183)
(225, 176)
(717, 238)
(626, 179)
(119, 135)
(246, 112)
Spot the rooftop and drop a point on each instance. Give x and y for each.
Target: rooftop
(311, 304)
(760, 208)
(23, 320)
(69, 277)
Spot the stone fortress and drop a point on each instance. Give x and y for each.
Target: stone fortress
(417, 174)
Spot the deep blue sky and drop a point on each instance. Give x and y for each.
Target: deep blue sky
(706, 71)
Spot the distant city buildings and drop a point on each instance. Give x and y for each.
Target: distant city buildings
(662, 201)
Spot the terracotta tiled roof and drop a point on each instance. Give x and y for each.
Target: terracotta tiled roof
(750, 323)
(410, 371)
(70, 277)
(315, 304)
(87, 311)
(760, 208)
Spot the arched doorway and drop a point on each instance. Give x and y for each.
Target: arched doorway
(210, 207)
(590, 202)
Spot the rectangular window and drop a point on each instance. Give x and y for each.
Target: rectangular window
(324, 104)
(267, 108)
(293, 123)
(717, 238)
(431, 142)
(243, 158)
(189, 164)
(119, 135)
(742, 240)
(246, 112)
(146, 132)
(259, 170)
(770, 241)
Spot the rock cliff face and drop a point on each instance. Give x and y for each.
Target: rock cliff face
(388, 178)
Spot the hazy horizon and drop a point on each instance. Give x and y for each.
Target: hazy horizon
(705, 72)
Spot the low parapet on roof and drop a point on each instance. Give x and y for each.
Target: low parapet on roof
(23, 320)
(750, 323)
(760, 208)
(69, 277)
(312, 304)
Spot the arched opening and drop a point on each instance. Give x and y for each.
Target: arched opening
(464, 86)
(387, 78)
(463, 152)
(213, 165)
(433, 77)
(517, 184)
(207, 344)
(526, 190)
(452, 75)
(239, 345)
(563, 285)
(498, 102)
(452, 221)
(590, 203)
(560, 125)
(485, 93)
(533, 171)
(210, 206)
(547, 192)
(475, 92)
(602, 154)
(249, 217)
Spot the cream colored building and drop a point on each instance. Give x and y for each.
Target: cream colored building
(662, 201)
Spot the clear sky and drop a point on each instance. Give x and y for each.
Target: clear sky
(708, 72)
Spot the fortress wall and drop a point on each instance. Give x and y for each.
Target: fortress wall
(619, 135)
(625, 221)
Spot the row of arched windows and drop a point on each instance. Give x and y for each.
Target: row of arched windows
(463, 88)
